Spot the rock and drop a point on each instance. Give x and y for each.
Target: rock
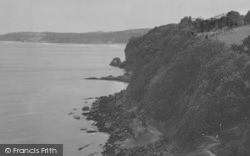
(77, 117)
(91, 131)
(90, 98)
(122, 78)
(85, 108)
(70, 113)
(85, 114)
(123, 64)
(91, 78)
(83, 129)
(81, 148)
(116, 62)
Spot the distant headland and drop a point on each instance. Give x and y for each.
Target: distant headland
(77, 38)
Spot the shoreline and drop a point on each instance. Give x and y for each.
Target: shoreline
(121, 78)
(128, 134)
(76, 44)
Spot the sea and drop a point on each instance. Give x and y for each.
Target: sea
(42, 89)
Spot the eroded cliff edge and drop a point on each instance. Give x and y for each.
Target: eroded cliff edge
(188, 95)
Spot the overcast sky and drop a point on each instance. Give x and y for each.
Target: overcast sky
(105, 15)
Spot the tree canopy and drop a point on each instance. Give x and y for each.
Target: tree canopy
(231, 19)
(247, 18)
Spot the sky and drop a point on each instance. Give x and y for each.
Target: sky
(106, 15)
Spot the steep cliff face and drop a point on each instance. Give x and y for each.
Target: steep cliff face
(191, 88)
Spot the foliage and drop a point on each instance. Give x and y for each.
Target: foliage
(247, 18)
(186, 21)
(237, 48)
(192, 86)
(244, 47)
(232, 19)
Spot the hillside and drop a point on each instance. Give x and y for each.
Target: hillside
(236, 36)
(188, 96)
(191, 88)
(86, 38)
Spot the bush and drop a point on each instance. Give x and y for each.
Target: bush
(237, 48)
(242, 48)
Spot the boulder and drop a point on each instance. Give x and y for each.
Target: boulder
(91, 131)
(116, 62)
(85, 108)
(77, 117)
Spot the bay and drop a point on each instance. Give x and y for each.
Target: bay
(40, 84)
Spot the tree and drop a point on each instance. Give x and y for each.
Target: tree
(197, 24)
(237, 48)
(234, 18)
(222, 22)
(246, 45)
(243, 48)
(247, 18)
(186, 21)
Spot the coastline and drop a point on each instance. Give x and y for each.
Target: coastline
(121, 78)
(128, 134)
(75, 44)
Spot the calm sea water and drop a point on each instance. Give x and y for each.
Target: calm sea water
(40, 84)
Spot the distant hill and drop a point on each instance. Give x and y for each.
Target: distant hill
(236, 36)
(86, 38)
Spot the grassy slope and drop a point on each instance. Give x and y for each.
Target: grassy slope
(235, 37)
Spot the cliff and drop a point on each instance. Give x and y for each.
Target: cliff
(188, 95)
(191, 87)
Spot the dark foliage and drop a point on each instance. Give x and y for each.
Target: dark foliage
(247, 18)
(232, 19)
(192, 86)
(243, 48)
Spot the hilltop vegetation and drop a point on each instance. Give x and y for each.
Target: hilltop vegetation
(85, 38)
(231, 19)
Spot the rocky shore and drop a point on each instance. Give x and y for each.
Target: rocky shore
(129, 135)
(121, 78)
(133, 135)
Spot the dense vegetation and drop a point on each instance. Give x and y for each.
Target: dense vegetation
(247, 18)
(242, 48)
(231, 19)
(192, 87)
(87, 38)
